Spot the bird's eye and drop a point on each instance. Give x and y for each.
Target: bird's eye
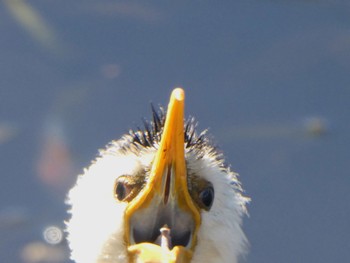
(120, 191)
(123, 188)
(127, 187)
(207, 197)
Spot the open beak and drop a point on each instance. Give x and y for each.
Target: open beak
(165, 202)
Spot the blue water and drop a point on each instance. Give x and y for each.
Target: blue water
(269, 78)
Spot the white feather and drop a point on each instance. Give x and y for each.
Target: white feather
(95, 229)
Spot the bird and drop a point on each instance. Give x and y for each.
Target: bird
(161, 193)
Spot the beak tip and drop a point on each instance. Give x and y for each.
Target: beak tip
(178, 94)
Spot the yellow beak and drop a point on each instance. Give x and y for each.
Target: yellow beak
(165, 200)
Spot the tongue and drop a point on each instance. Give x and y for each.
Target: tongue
(164, 239)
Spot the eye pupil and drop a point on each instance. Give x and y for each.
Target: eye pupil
(120, 191)
(207, 197)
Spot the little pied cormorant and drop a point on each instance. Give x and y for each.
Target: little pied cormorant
(160, 194)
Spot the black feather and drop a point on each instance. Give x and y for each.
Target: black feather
(150, 134)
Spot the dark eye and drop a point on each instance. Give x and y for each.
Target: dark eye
(207, 197)
(127, 187)
(120, 190)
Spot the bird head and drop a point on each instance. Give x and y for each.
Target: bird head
(162, 194)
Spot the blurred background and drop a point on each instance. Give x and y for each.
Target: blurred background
(270, 78)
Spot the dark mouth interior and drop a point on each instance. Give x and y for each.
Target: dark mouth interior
(177, 239)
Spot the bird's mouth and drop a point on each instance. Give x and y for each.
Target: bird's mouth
(148, 226)
(157, 237)
(161, 223)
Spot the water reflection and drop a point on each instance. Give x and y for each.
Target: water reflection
(55, 166)
(307, 127)
(40, 252)
(31, 20)
(7, 131)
